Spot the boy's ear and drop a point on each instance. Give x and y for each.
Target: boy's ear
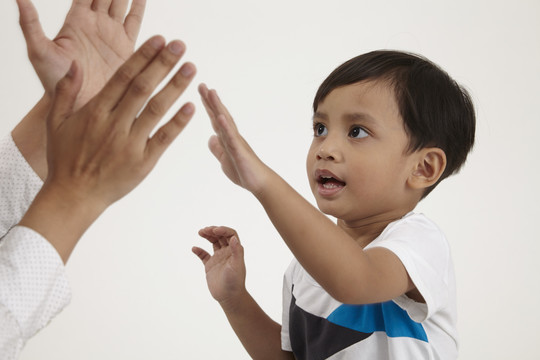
(430, 165)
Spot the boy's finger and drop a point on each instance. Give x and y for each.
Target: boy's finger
(146, 82)
(165, 135)
(117, 10)
(202, 254)
(65, 95)
(101, 5)
(216, 103)
(224, 231)
(30, 25)
(134, 18)
(158, 106)
(116, 87)
(236, 248)
(203, 91)
(86, 3)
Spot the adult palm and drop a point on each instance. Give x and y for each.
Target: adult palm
(96, 33)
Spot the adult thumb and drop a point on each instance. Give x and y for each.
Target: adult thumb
(65, 95)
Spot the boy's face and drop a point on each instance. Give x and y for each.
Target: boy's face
(358, 162)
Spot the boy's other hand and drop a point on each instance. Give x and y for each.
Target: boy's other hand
(96, 33)
(238, 161)
(225, 269)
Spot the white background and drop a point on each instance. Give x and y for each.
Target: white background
(139, 293)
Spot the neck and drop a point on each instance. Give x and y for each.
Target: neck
(366, 230)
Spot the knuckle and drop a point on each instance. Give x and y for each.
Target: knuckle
(141, 86)
(179, 81)
(147, 52)
(123, 75)
(155, 107)
(166, 59)
(163, 137)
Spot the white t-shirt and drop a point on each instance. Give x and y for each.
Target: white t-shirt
(316, 326)
(33, 284)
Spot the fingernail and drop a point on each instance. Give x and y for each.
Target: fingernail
(188, 109)
(176, 47)
(157, 42)
(187, 70)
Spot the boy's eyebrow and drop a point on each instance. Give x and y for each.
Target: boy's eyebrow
(351, 117)
(359, 117)
(320, 115)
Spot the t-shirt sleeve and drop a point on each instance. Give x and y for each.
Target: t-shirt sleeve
(19, 184)
(33, 288)
(287, 297)
(424, 251)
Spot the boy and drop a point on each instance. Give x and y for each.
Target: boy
(379, 284)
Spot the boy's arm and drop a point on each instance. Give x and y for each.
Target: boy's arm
(98, 35)
(332, 257)
(225, 275)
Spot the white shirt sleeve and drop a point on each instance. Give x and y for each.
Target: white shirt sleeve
(425, 253)
(19, 184)
(33, 284)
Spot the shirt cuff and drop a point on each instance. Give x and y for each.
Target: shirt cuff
(19, 184)
(33, 283)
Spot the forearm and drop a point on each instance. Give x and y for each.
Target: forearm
(259, 334)
(30, 136)
(327, 253)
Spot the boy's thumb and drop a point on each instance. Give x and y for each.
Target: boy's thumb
(236, 247)
(65, 95)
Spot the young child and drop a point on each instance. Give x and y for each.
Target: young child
(388, 127)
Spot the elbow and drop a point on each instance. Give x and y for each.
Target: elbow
(347, 295)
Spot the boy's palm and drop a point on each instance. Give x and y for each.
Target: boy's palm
(225, 269)
(100, 39)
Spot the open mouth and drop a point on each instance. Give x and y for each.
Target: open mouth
(328, 180)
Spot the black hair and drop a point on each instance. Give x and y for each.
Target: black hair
(436, 110)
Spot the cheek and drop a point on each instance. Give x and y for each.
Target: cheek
(310, 160)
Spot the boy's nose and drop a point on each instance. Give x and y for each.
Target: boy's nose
(324, 154)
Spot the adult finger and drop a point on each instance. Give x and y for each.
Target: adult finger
(30, 25)
(161, 103)
(65, 95)
(101, 5)
(134, 18)
(146, 82)
(117, 86)
(118, 9)
(165, 135)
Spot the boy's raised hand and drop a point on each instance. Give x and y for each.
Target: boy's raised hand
(225, 269)
(96, 33)
(99, 153)
(238, 161)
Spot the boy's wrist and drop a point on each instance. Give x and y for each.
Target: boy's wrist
(236, 304)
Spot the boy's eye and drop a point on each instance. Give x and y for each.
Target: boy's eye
(358, 133)
(320, 130)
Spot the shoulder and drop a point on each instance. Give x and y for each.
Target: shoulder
(424, 251)
(415, 232)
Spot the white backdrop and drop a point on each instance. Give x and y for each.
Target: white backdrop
(139, 293)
